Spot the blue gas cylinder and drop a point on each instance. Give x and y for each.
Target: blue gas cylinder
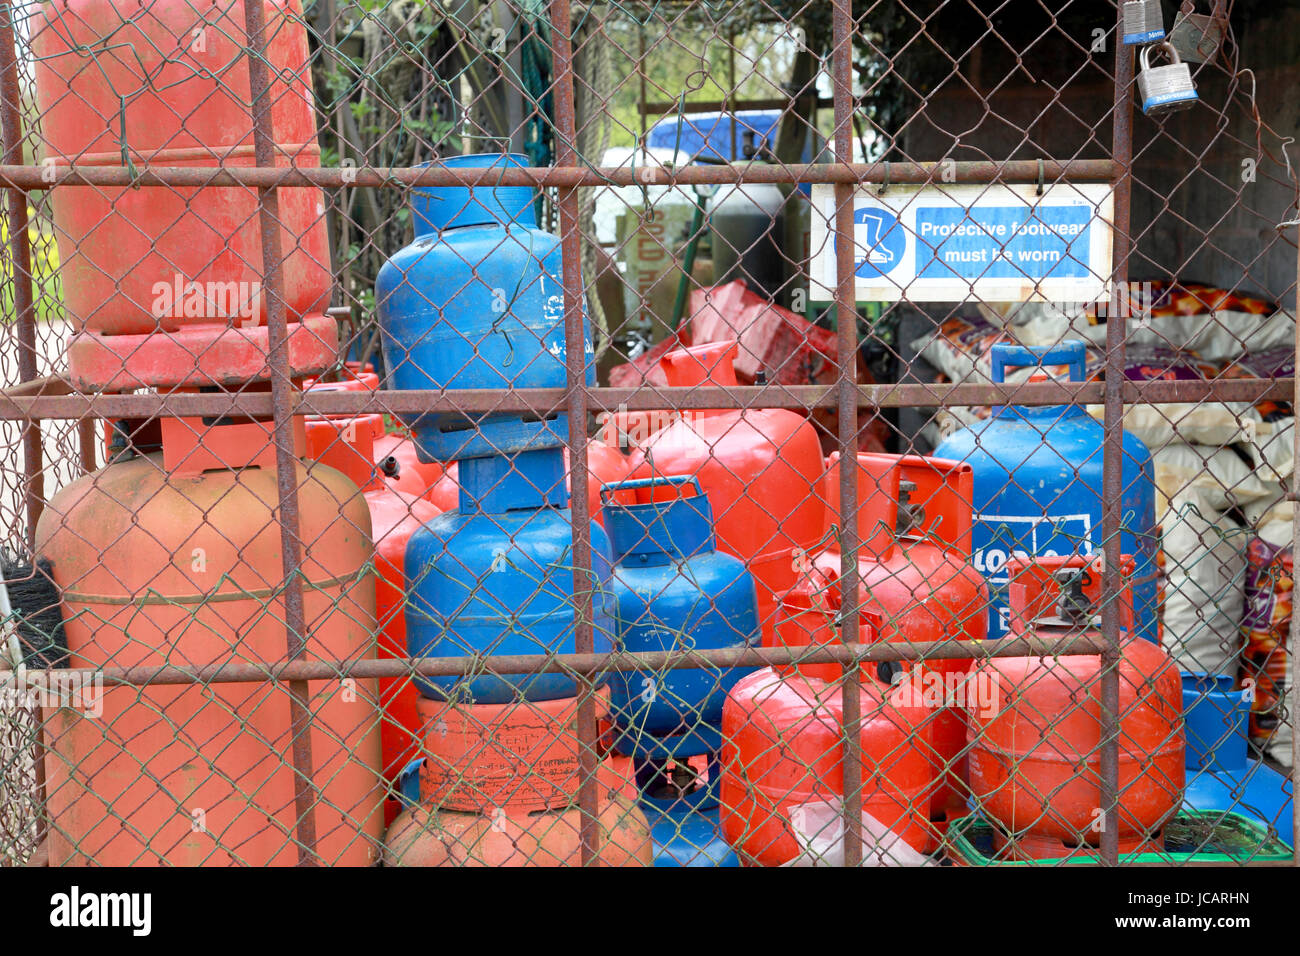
(1038, 486)
(475, 302)
(497, 577)
(1220, 772)
(672, 590)
(682, 807)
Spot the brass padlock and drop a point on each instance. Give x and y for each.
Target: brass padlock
(1195, 36)
(1164, 89)
(1143, 22)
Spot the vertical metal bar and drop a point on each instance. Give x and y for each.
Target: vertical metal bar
(286, 465)
(87, 444)
(847, 349)
(575, 357)
(514, 96)
(640, 77)
(341, 207)
(1293, 638)
(20, 265)
(1113, 451)
(728, 103)
(20, 276)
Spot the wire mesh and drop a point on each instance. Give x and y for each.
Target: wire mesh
(490, 432)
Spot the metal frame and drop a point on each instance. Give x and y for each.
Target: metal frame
(46, 399)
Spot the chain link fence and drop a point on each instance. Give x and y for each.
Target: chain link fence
(494, 432)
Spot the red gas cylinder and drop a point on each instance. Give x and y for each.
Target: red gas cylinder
(352, 380)
(761, 468)
(1035, 761)
(363, 382)
(915, 569)
(605, 465)
(347, 445)
(396, 457)
(521, 755)
(175, 559)
(426, 836)
(782, 732)
(164, 286)
(394, 453)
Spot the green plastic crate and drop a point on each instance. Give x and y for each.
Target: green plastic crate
(1201, 836)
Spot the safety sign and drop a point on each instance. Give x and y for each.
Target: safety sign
(953, 243)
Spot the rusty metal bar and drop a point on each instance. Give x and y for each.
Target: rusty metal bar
(575, 360)
(727, 105)
(87, 445)
(20, 277)
(641, 91)
(15, 405)
(1113, 452)
(286, 464)
(1293, 638)
(20, 265)
(32, 178)
(243, 672)
(846, 323)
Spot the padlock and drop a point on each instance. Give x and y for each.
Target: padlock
(1143, 22)
(1164, 89)
(1195, 36)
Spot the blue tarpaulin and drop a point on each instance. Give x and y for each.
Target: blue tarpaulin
(709, 134)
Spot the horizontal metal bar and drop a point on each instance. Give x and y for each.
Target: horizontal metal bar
(501, 664)
(268, 177)
(646, 398)
(45, 385)
(715, 106)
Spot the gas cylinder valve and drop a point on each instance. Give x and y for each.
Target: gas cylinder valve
(1073, 605)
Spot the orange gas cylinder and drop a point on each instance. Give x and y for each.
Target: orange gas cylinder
(165, 286)
(347, 445)
(605, 465)
(915, 569)
(1035, 761)
(761, 468)
(175, 559)
(424, 835)
(782, 733)
(520, 755)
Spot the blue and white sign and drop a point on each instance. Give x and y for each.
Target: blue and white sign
(994, 243)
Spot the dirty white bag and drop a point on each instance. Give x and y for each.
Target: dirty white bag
(1226, 478)
(1205, 579)
(1202, 423)
(818, 827)
(1273, 448)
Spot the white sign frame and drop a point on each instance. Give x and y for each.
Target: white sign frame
(970, 207)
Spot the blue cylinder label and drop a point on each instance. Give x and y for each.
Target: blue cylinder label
(999, 537)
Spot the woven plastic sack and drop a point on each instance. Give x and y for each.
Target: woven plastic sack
(1205, 573)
